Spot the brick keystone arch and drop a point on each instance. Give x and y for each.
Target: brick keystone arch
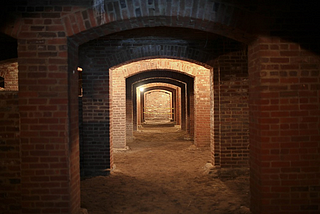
(117, 79)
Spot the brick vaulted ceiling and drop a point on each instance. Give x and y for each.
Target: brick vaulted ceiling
(186, 43)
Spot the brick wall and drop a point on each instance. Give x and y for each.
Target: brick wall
(96, 128)
(284, 127)
(9, 72)
(10, 159)
(157, 105)
(230, 109)
(48, 111)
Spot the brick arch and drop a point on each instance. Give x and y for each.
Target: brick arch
(138, 66)
(223, 19)
(161, 86)
(168, 82)
(201, 90)
(153, 102)
(106, 56)
(81, 23)
(196, 56)
(176, 78)
(176, 97)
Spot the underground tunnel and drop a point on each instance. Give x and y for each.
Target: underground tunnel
(243, 82)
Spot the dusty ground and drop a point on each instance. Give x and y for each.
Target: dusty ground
(163, 173)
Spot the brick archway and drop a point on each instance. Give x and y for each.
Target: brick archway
(57, 74)
(83, 25)
(184, 85)
(175, 102)
(201, 77)
(181, 87)
(157, 105)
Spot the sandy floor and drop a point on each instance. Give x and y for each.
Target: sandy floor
(162, 173)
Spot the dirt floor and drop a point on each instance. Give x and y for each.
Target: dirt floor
(163, 173)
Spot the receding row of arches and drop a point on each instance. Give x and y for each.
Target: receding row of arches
(182, 83)
(190, 87)
(110, 112)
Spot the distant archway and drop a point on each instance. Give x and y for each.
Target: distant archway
(201, 77)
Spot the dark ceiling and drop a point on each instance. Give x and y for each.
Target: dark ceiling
(8, 47)
(164, 33)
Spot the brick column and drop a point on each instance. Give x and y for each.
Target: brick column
(284, 127)
(95, 153)
(48, 121)
(202, 108)
(230, 109)
(129, 116)
(117, 110)
(138, 108)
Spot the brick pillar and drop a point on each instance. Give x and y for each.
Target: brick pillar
(96, 151)
(138, 109)
(129, 115)
(178, 106)
(202, 108)
(284, 127)
(73, 129)
(117, 110)
(183, 107)
(230, 109)
(48, 121)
